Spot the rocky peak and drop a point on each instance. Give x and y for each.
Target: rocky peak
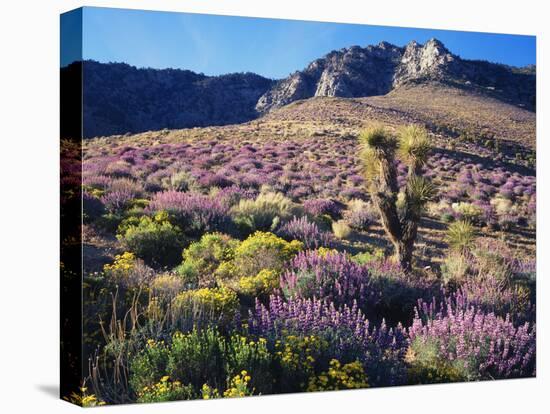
(422, 61)
(377, 69)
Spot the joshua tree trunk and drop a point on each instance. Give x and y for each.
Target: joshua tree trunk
(403, 254)
(399, 219)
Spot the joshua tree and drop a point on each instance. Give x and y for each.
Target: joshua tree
(400, 209)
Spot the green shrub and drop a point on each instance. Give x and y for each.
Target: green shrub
(264, 251)
(460, 235)
(341, 229)
(198, 357)
(149, 365)
(250, 355)
(455, 268)
(206, 306)
(202, 258)
(166, 285)
(181, 181)
(367, 257)
(426, 366)
(155, 240)
(109, 222)
(165, 390)
(264, 213)
(468, 211)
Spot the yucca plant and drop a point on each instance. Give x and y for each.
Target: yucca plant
(460, 235)
(400, 210)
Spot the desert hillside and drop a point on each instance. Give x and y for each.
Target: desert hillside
(309, 149)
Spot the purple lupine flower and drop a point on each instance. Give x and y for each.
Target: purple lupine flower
(331, 275)
(320, 206)
(196, 213)
(489, 346)
(381, 349)
(117, 201)
(307, 232)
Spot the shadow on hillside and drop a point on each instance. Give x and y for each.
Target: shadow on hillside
(487, 162)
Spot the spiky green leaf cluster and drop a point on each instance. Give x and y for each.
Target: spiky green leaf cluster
(414, 145)
(460, 235)
(376, 145)
(420, 191)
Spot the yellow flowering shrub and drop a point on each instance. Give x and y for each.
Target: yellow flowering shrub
(325, 251)
(165, 390)
(209, 393)
(84, 399)
(226, 273)
(296, 356)
(123, 264)
(217, 301)
(251, 354)
(263, 284)
(238, 386)
(339, 377)
(263, 250)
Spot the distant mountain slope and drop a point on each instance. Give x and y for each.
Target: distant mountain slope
(376, 70)
(446, 110)
(119, 98)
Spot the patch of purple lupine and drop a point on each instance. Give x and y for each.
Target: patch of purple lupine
(320, 206)
(307, 232)
(194, 211)
(126, 185)
(333, 276)
(96, 181)
(489, 346)
(491, 294)
(381, 349)
(208, 180)
(117, 201)
(360, 219)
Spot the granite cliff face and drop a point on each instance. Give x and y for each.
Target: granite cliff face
(376, 70)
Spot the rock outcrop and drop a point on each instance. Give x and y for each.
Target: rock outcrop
(376, 70)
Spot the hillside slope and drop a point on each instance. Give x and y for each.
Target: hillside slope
(119, 98)
(309, 149)
(445, 110)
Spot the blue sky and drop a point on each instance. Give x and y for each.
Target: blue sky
(270, 47)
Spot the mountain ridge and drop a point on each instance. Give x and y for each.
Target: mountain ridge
(120, 98)
(376, 70)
